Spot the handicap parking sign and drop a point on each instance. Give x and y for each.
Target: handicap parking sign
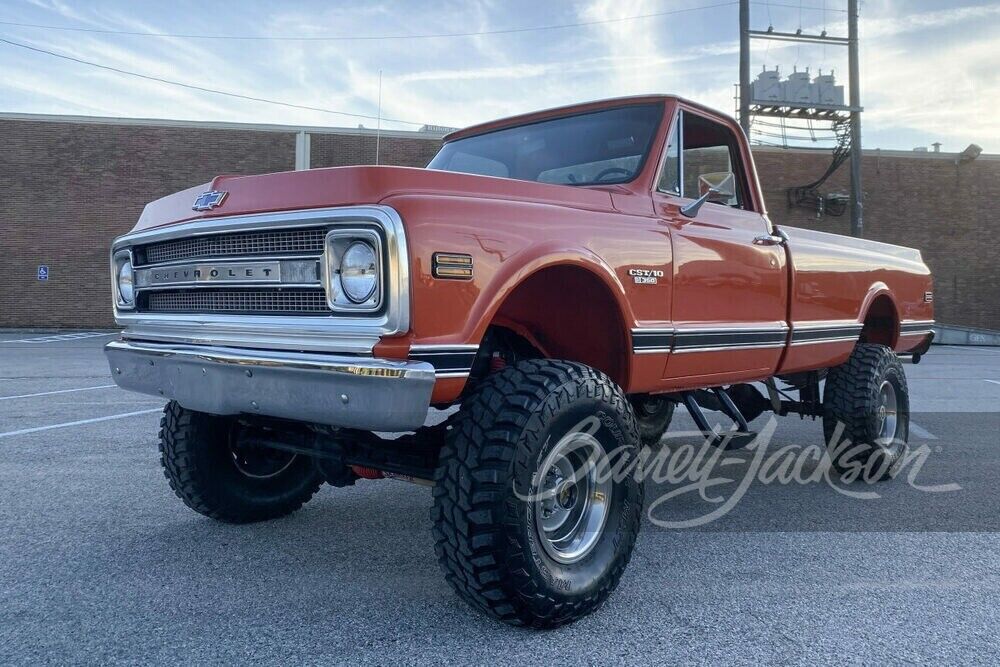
(43, 272)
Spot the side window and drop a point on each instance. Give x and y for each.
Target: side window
(706, 168)
(475, 164)
(670, 176)
(710, 160)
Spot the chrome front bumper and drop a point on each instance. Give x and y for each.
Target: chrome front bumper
(335, 390)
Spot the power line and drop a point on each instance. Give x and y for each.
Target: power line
(202, 88)
(357, 38)
(806, 7)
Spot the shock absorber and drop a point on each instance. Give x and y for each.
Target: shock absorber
(497, 363)
(364, 472)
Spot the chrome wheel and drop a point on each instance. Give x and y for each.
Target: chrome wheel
(573, 500)
(888, 415)
(256, 461)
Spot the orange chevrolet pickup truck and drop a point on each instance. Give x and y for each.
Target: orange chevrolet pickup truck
(554, 284)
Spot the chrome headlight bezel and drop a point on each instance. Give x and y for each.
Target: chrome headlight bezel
(119, 260)
(338, 242)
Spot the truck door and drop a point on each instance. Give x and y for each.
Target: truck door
(730, 286)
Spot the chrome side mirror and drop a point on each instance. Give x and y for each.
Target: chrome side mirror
(717, 187)
(691, 210)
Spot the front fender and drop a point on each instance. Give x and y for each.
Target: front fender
(508, 242)
(529, 262)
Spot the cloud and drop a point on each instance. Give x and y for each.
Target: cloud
(933, 75)
(929, 68)
(621, 40)
(896, 22)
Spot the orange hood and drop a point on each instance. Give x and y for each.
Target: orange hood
(345, 186)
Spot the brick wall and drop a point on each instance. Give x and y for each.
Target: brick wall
(67, 189)
(338, 150)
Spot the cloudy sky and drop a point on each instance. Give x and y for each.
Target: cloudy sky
(930, 68)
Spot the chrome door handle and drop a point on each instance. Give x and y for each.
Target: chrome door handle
(768, 239)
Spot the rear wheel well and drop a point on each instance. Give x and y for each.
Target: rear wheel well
(881, 325)
(561, 312)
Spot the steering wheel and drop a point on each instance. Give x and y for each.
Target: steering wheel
(611, 170)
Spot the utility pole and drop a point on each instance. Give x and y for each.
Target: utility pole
(745, 66)
(857, 196)
(815, 110)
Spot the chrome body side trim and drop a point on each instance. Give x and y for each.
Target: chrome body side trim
(339, 332)
(815, 332)
(817, 341)
(825, 324)
(449, 361)
(916, 327)
(650, 340)
(728, 348)
(472, 347)
(730, 336)
(335, 390)
(736, 327)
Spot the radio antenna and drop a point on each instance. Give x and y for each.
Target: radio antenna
(378, 127)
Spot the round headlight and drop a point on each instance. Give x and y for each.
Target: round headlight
(126, 290)
(359, 272)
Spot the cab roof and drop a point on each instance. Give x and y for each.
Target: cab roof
(570, 109)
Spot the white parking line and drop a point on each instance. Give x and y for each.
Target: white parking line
(58, 338)
(58, 391)
(36, 429)
(921, 432)
(970, 348)
(992, 381)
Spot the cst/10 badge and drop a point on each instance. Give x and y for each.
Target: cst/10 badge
(645, 276)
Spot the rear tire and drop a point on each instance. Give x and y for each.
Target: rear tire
(541, 562)
(217, 470)
(654, 414)
(868, 396)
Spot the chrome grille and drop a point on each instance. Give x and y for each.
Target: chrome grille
(257, 301)
(272, 242)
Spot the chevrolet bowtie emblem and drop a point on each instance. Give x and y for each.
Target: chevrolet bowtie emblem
(209, 200)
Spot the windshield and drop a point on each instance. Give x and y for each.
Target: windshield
(586, 149)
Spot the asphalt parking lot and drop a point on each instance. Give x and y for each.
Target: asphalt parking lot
(99, 562)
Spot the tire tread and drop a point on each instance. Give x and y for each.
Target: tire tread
(182, 432)
(471, 505)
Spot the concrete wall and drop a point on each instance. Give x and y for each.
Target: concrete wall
(68, 186)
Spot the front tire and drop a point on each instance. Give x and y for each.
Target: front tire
(219, 469)
(869, 397)
(517, 534)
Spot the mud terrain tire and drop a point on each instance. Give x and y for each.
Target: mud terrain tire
(203, 470)
(497, 549)
(654, 414)
(868, 395)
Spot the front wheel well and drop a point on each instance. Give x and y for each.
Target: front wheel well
(562, 312)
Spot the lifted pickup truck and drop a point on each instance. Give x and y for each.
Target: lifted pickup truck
(565, 278)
